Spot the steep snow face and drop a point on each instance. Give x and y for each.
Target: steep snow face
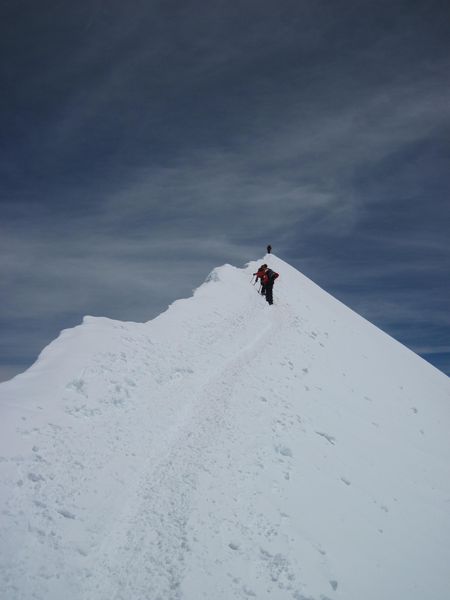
(227, 449)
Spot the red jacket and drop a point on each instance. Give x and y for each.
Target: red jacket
(260, 274)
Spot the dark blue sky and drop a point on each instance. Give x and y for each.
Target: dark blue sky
(144, 143)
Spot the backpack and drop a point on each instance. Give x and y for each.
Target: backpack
(270, 276)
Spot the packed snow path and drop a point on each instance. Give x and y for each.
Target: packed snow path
(227, 449)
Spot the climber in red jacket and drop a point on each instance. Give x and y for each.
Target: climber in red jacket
(268, 279)
(259, 275)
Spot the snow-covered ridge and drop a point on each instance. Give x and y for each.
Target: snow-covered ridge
(227, 449)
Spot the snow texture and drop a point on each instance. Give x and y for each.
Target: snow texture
(227, 450)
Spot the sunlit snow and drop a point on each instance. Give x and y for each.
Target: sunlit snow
(227, 450)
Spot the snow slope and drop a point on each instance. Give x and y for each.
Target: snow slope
(227, 449)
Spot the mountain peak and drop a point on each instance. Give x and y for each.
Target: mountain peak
(227, 448)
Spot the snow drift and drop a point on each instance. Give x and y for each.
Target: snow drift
(227, 449)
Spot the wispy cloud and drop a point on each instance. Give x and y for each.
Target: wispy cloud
(147, 146)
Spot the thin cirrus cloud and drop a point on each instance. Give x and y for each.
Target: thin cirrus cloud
(147, 144)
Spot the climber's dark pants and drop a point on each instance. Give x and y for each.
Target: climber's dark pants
(269, 293)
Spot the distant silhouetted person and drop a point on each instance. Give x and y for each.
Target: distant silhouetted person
(269, 249)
